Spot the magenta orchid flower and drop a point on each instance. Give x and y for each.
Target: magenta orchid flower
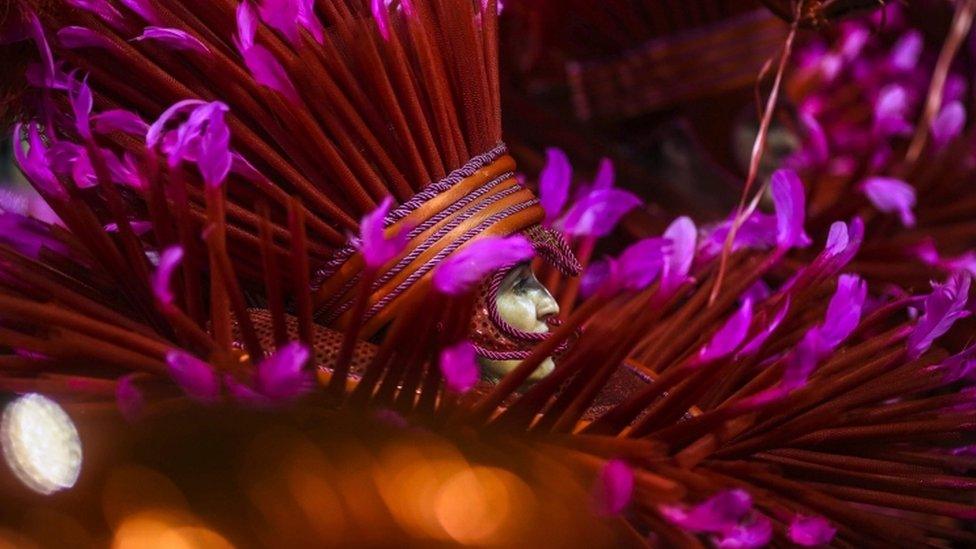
(459, 367)
(119, 120)
(464, 269)
(677, 262)
(264, 67)
(554, 183)
(283, 376)
(943, 307)
(378, 248)
(597, 212)
(890, 195)
(948, 124)
(382, 17)
(750, 534)
(729, 337)
(614, 488)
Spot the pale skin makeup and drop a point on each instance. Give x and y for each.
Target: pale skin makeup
(524, 303)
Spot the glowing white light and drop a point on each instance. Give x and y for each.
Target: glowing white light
(40, 444)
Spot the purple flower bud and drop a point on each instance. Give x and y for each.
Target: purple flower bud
(460, 272)
(282, 376)
(613, 489)
(554, 182)
(82, 37)
(811, 531)
(948, 124)
(173, 38)
(748, 535)
(119, 120)
(373, 243)
(459, 368)
(168, 261)
(790, 204)
(718, 514)
(943, 307)
(728, 338)
(891, 195)
(197, 378)
(129, 399)
(677, 262)
(245, 394)
(597, 212)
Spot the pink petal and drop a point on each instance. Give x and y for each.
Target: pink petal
(843, 311)
(34, 162)
(605, 175)
(373, 243)
(641, 262)
(790, 204)
(168, 261)
(460, 272)
(891, 195)
(683, 236)
(101, 9)
(80, 96)
(155, 132)
(554, 182)
(943, 307)
(72, 37)
(719, 513)
(750, 535)
(597, 212)
(614, 488)
(119, 120)
(268, 72)
(144, 9)
(197, 378)
(129, 399)
(728, 338)
(811, 531)
(756, 343)
(599, 275)
(382, 17)
(247, 25)
(905, 53)
(282, 376)
(459, 367)
(215, 158)
(173, 38)
(948, 124)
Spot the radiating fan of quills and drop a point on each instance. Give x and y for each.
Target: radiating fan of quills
(807, 402)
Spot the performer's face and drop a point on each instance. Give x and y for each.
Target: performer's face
(526, 304)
